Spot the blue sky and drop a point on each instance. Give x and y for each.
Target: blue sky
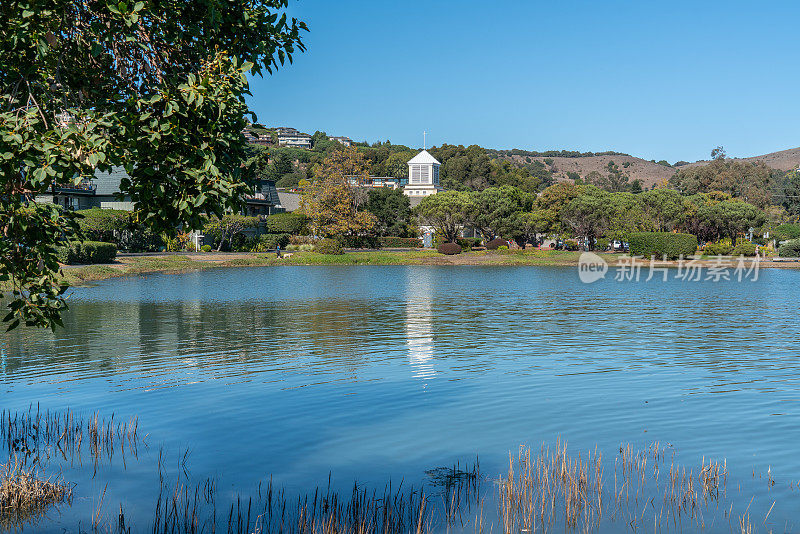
(659, 80)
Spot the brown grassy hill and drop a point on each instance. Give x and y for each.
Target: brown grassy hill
(784, 160)
(648, 172)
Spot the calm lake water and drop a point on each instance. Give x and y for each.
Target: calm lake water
(378, 373)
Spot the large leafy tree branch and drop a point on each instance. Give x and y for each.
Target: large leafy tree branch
(156, 86)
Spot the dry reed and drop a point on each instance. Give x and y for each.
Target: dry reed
(25, 495)
(557, 490)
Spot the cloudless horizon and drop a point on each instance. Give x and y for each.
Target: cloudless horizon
(654, 80)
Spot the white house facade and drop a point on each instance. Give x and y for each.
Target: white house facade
(423, 177)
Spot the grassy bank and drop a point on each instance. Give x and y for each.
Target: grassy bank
(135, 265)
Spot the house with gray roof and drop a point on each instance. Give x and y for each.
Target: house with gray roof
(98, 192)
(101, 191)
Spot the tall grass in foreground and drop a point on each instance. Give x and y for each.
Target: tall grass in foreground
(192, 508)
(556, 490)
(548, 490)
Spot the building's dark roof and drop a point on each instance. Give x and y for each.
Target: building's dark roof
(108, 184)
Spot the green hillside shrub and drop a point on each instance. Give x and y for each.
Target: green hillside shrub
(790, 249)
(788, 231)
(660, 244)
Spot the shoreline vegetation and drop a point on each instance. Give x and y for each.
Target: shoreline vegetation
(547, 490)
(176, 263)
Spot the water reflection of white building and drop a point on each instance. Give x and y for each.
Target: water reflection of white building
(419, 323)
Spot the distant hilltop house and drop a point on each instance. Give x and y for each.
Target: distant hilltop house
(423, 177)
(292, 138)
(101, 191)
(251, 137)
(346, 141)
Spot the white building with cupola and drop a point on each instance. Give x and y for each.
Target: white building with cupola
(423, 177)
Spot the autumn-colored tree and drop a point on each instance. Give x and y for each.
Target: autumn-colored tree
(331, 202)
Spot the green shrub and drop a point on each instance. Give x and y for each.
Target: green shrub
(141, 240)
(116, 226)
(468, 243)
(449, 248)
(723, 247)
(790, 249)
(571, 244)
(744, 248)
(400, 242)
(266, 242)
(502, 247)
(103, 225)
(787, 231)
(206, 248)
(329, 246)
(496, 243)
(241, 243)
(660, 244)
(286, 223)
(87, 252)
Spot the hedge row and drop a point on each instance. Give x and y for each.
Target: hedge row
(660, 244)
(87, 252)
(359, 241)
